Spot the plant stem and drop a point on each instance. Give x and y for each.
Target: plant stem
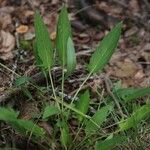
(9, 70)
(75, 110)
(19, 76)
(62, 87)
(53, 89)
(47, 84)
(81, 86)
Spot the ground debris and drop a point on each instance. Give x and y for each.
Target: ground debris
(7, 44)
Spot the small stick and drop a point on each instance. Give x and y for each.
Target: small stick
(113, 96)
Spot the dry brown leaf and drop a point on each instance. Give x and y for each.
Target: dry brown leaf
(128, 83)
(7, 44)
(54, 2)
(134, 6)
(131, 31)
(126, 69)
(1, 1)
(22, 29)
(139, 74)
(29, 13)
(28, 110)
(5, 17)
(53, 35)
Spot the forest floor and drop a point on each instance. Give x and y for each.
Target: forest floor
(130, 63)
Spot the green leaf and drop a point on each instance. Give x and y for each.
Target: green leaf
(139, 115)
(71, 57)
(22, 80)
(26, 127)
(49, 111)
(83, 104)
(22, 126)
(38, 60)
(63, 33)
(7, 114)
(105, 49)
(99, 117)
(43, 43)
(109, 144)
(130, 94)
(65, 136)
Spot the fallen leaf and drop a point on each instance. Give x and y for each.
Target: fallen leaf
(7, 44)
(1, 1)
(134, 6)
(131, 31)
(139, 74)
(126, 69)
(53, 35)
(22, 29)
(54, 2)
(5, 17)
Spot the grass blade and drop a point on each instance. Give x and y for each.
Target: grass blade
(139, 115)
(43, 42)
(63, 33)
(99, 117)
(105, 49)
(83, 104)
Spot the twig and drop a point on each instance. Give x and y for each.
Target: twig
(147, 4)
(113, 96)
(121, 3)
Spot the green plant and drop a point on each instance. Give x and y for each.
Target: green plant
(90, 125)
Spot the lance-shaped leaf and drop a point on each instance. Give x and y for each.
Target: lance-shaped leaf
(7, 114)
(27, 127)
(129, 94)
(139, 115)
(43, 42)
(49, 111)
(109, 144)
(105, 50)
(23, 126)
(99, 117)
(63, 33)
(83, 104)
(71, 57)
(37, 58)
(65, 135)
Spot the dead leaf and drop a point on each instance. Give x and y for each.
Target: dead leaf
(1, 1)
(5, 17)
(29, 109)
(126, 69)
(7, 44)
(29, 13)
(22, 29)
(139, 75)
(53, 35)
(134, 6)
(128, 83)
(54, 2)
(131, 31)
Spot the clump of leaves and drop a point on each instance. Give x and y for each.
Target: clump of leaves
(61, 111)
